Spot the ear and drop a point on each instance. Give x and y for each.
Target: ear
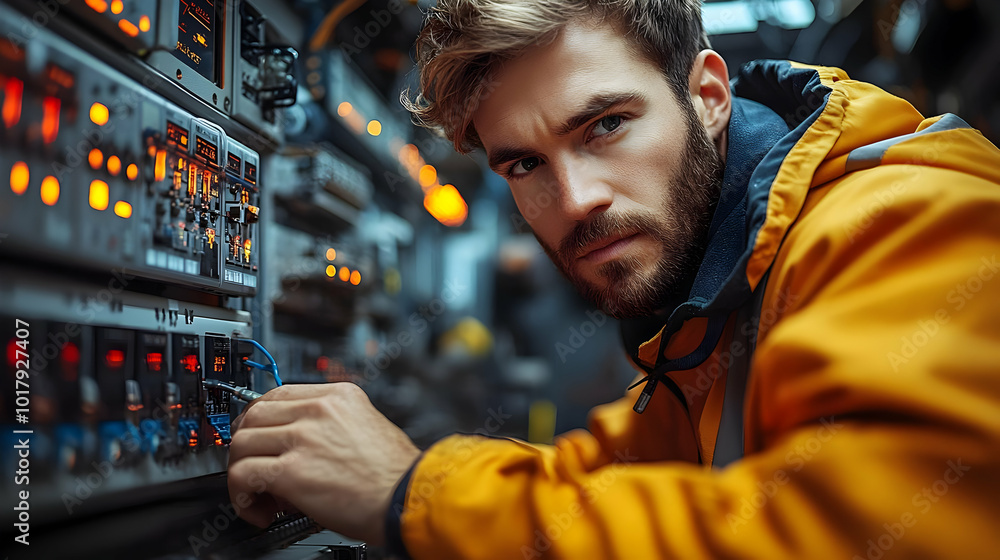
(708, 84)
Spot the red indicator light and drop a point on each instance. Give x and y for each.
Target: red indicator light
(190, 363)
(154, 361)
(115, 358)
(322, 363)
(12, 102)
(70, 357)
(193, 439)
(12, 350)
(71, 354)
(50, 119)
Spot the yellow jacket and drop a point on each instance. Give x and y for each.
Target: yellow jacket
(855, 378)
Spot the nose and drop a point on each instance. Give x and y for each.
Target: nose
(582, 189)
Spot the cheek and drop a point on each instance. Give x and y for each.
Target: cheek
(539, 209)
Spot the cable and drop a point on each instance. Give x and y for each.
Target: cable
(272, 368)
(241, 393)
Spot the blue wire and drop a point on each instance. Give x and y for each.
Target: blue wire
(272, 368)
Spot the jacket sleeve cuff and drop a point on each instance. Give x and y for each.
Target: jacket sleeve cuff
(394, 546)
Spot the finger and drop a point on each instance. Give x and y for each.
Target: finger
(249, 483)
(261, 442)
(298, 391)
(269, 413)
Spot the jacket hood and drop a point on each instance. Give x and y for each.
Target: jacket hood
(793, 127)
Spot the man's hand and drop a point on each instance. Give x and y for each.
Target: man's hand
(324, 450)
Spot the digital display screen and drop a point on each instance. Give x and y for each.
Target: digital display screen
(206, 149)
(233, 163)
(250, 173)
(177, 135)
(196, 37)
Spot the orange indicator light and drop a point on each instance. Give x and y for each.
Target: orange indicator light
(50, 119)
(345, 274)
(355, 278)
(98, 195)
(19, 178)
(95, 158)
(123, 209)
(144, 23)
(128, 27)
(99, 6)
(114, 165)
(132, 171)
(99, 114)
(50, 190)
(160, 168)
(117, 6)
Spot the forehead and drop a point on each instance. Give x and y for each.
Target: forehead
(543, 86)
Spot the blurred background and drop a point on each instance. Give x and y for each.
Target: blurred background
(190, 179)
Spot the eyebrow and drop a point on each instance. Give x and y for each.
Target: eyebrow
(594, 106)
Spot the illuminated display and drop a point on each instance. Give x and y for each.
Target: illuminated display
(250, 173)
(196, 40)
(154, 361)
(220, 364)
(205, 149)
(233, 163)
(190, 363)
(177, 135)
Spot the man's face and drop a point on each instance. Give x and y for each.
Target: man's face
(616, 177)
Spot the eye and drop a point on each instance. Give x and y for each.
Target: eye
(523, 167)
(608, 124)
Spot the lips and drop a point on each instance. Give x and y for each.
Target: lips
(607, 247)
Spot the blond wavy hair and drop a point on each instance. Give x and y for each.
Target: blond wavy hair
(462, 43)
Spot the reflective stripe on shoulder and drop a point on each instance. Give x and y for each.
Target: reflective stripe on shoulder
(871, 155)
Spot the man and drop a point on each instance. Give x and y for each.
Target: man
(808, 272)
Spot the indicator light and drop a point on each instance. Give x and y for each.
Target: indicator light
(344, 109)
(98, 195)
(19, 178)
(345, 274)
(190, 363)
(211, 238)
(322, 363)
(117, 6)
(144, 23)
(132, 172)
(99, 114)
(128, 27)
(99, 6)
(123, 209)
(50, 119)
(114, 358)
(356, 277)
(70, 357)
(428, 176)
(374, 128)
(50, 190)
(154, 361)
(331, 271)
(95, 158)
(114, 165)
(331, 254)
(246, 250)
(12, 349)
(12, 102)
(160, 168)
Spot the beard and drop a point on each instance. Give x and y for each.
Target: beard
(680, 230)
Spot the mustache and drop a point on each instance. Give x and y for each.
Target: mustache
(601, 226)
